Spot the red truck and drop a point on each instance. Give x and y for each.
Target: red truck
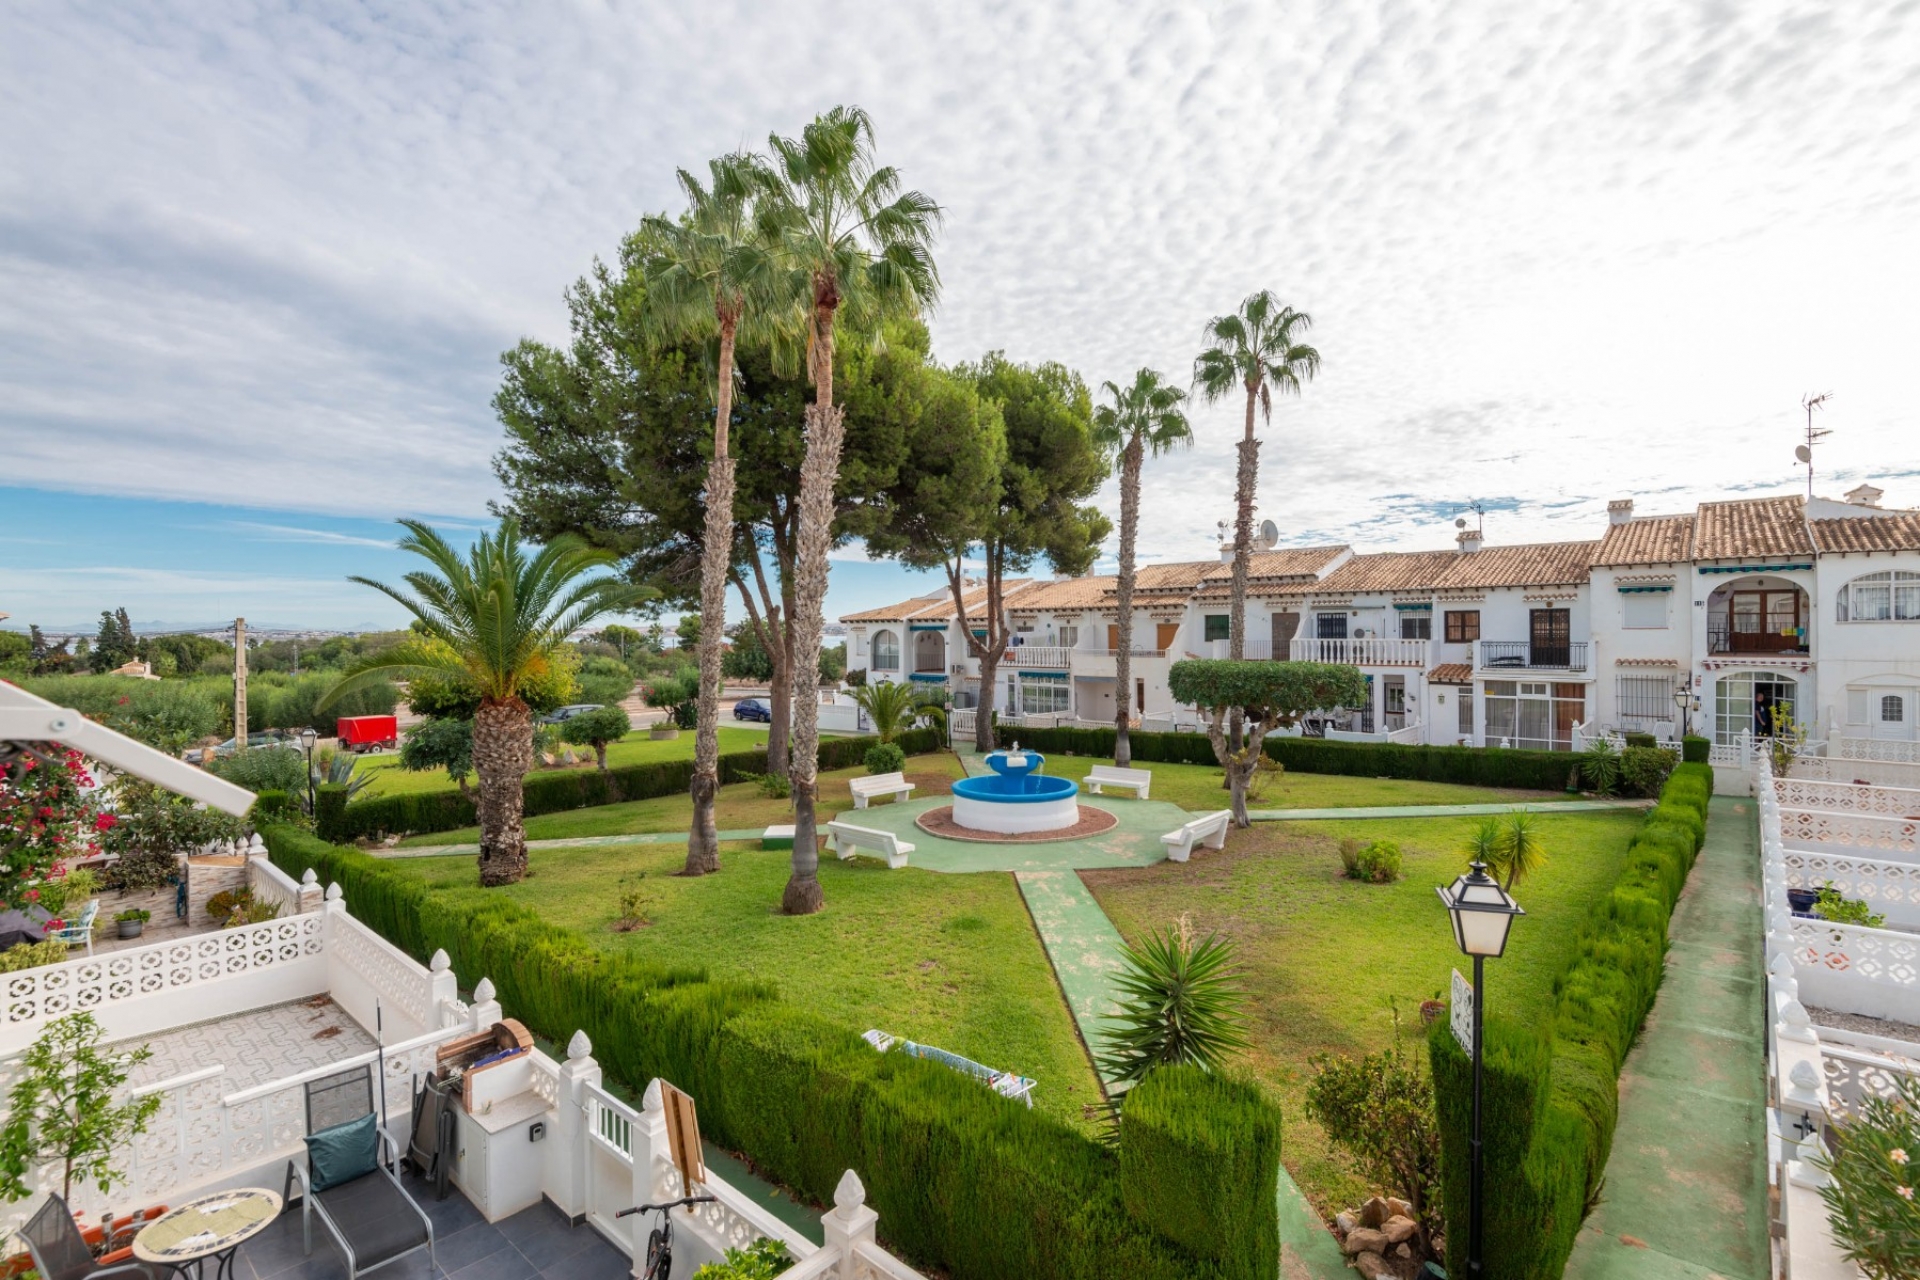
(368, 733)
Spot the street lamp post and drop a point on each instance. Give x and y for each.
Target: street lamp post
(1683, 698)
(1482, 914)
(307, 738)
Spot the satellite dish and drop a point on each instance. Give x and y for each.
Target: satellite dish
(1460, 523)
(1803, 453)
(1269, 535)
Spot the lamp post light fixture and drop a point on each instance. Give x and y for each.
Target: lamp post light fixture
(307, 738)
(1683, 698)
(1482, 914)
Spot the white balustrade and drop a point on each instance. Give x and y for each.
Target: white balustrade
(1827, 831)
(1875, 773)
(1051, 657)
(1891, 889)
(1847, 797)
(1361, 651)
(1876, 749)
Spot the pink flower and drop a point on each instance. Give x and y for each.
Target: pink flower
(33, 895)
(1905, 1193)
(104, 822)
(54, 926)
(1898, 1155)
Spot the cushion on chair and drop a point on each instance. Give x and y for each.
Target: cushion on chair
(343, 1152)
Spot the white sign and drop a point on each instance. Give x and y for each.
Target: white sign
(1461, 1012)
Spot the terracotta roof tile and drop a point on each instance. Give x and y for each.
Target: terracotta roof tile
(1538, 564)
(1179, 576)
(1067, 595)
(1451, 673)
(1751, 527)
(1282, 562)
(1387, 571)
(1892, 532)
(1648, 540)
(922, 609)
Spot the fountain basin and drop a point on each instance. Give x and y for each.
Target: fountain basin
(1015, 798)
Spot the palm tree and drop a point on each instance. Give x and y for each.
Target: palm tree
(896, 708)
(1144, 417)
(853, 245)
(703, 273)
(1257, 348)
(1522, 850)
(493, 623)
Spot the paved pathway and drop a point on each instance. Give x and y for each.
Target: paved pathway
(1441, 810)
(1686, 1190)
(1085, 950)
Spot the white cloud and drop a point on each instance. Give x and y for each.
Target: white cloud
(322, 537)
(1601, 251)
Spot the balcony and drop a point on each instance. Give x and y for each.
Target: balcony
(1370, 651)
(1105, 662)
(1723, 641)
(1524, 655)
(1045, 657)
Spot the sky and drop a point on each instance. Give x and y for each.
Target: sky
(258, 261)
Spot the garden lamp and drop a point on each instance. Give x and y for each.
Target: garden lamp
(1482, 914)
(1683, 698)
(307, 738)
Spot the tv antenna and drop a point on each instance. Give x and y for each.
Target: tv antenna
(1479, 515)
(1804, 452)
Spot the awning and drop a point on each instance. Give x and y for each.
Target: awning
(1646, 590)
(929, 677)
(1752, 568)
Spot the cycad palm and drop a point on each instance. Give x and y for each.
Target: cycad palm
(1143, 418)
(851, 244)
(706, 272)
(493, 621)
(1257, 350)
(895, 708)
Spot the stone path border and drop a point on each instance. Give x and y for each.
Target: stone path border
(1686, 1191)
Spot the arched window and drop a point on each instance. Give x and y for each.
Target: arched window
(1893, 709)
(886, 651)
(1881, 597)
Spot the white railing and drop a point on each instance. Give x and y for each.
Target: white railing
(1847, 797)
(1411, 735)
(1826, 831)
(960, 726)
(1854, 1075)
(1876, 773)
(1891, 889)
(1256, 647)
(1876, 749)
(1368, 651)
(272, 885)
(1050, 656)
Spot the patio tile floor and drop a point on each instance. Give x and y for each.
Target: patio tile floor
(258, 1045)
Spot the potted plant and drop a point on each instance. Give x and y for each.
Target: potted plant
(63, 1111)
(132, 921)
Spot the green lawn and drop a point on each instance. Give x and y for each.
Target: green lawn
(1198, 788)
(946, 960)
(739, 807)
(386, 777)
(1326, 957)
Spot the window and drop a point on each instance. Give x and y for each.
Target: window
(1217, 626)
(1044, 695)
(1330, 626)
(1881, 597)
(1644, 610)
(1463, 626)
(1893, 709)
(1069, 637)
(886, 651)
(1857, 706)
(1751, 703)
(1534, 715)
(1396, 698)
(1466, 710)
(1645, 697)
(1416, 626)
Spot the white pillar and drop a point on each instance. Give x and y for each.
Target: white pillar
(443, 994)
(568, 1147)
(849, 1224)
(485, 1010)
(649, 1142)
(311, 894)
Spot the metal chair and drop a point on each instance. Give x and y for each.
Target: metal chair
(81, 930)
(371, 1217)
(60, 1252)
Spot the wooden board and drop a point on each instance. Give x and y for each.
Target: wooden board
(683, 1137)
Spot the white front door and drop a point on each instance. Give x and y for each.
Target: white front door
(1892, 713)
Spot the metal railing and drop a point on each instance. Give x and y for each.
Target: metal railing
(1525, 655)
(1724, 641)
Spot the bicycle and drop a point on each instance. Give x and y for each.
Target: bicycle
(660, 1239)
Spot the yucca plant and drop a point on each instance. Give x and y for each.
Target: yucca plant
(1600, 766)
(1180, 1002)
(1518, 851)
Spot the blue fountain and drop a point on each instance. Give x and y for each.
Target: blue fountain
(1016, 798)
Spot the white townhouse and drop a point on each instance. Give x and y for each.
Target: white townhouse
(1717, 621)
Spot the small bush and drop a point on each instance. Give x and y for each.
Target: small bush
(762, 1260)
(885, 757)
(1350, 858)
(1379, 1110)
(1840, 910)
(272, 806)
(133, 913)
(1644, 769)
(31, 955)
(1600, 766)
(1379, 862)
(1695, 749)
(1870, 1188)
(1640, 739)
(264, 769)
(142, 869)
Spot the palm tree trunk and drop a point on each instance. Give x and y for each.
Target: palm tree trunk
(502, 754)
(1123, 598)
(1242, 547)
(826, 432)
(716, 558)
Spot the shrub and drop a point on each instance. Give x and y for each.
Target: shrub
(1600, 766)
(1350, 858)
(1870, 1187)
(31, 955)
(1644, 769)
(142, 869)
(762, 1260)
(1379, 1110)
(272, 806)
(1551, 1089)
(1180, 1003)
(1197, 1152)
(264, 769)
(167, 714)
(294, 704)
(1378, 863)
(1842, 910)
(1695, 749)
(1640, 739)
(330, 812)
(133, 913)
(885, 757)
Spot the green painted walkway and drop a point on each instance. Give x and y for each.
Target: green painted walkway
(1441, 810)
(1686, 1190)
(1085, 950)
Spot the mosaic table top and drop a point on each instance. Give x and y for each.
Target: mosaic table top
(212, 1224)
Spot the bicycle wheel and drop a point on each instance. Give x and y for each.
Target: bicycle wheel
(659, 1255)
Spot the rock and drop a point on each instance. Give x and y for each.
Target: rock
(1373, 1266)
(1365, 1240)
(1398, 1229)
(1345, 1220)
(1374, 1212)
(1403, 1250)
(1400, 1208)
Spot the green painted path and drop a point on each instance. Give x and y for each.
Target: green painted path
(577, 842)
(1135, 842)
(1085, 950)
(1686, 1190)
(1441, 810)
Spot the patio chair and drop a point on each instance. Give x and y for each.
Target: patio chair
(60, 1252)
(355, 1191)
(81, 930)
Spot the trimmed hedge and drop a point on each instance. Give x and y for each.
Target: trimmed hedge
(1695, 749)
(963, 1179)
(556, 791)
(1551, 1096)
(1470, 766)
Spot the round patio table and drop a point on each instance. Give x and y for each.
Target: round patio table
(214, 1225)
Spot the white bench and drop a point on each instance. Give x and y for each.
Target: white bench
(1209, 829)
(846, 838)
(1106, 775)
(880, 784)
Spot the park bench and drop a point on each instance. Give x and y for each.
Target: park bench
(880, 784)
(846, 838)
(1106, 775)
(1209, 829)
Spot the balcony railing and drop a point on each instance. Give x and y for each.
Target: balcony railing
(1052, 657)
(1368, 651)
(1525, 655)
(1724, 641)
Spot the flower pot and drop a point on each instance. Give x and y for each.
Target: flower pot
(662, 732)
(1802, 900)
(130, 928)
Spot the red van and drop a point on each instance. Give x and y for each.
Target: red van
(369, 733)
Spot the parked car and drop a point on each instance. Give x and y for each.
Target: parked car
(368, 733)
(270, 738)
(560, 715)
(752, 709)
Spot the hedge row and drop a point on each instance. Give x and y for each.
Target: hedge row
(1550, 1097)
(1473, 766)
(557, 791)
(965, 1181)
